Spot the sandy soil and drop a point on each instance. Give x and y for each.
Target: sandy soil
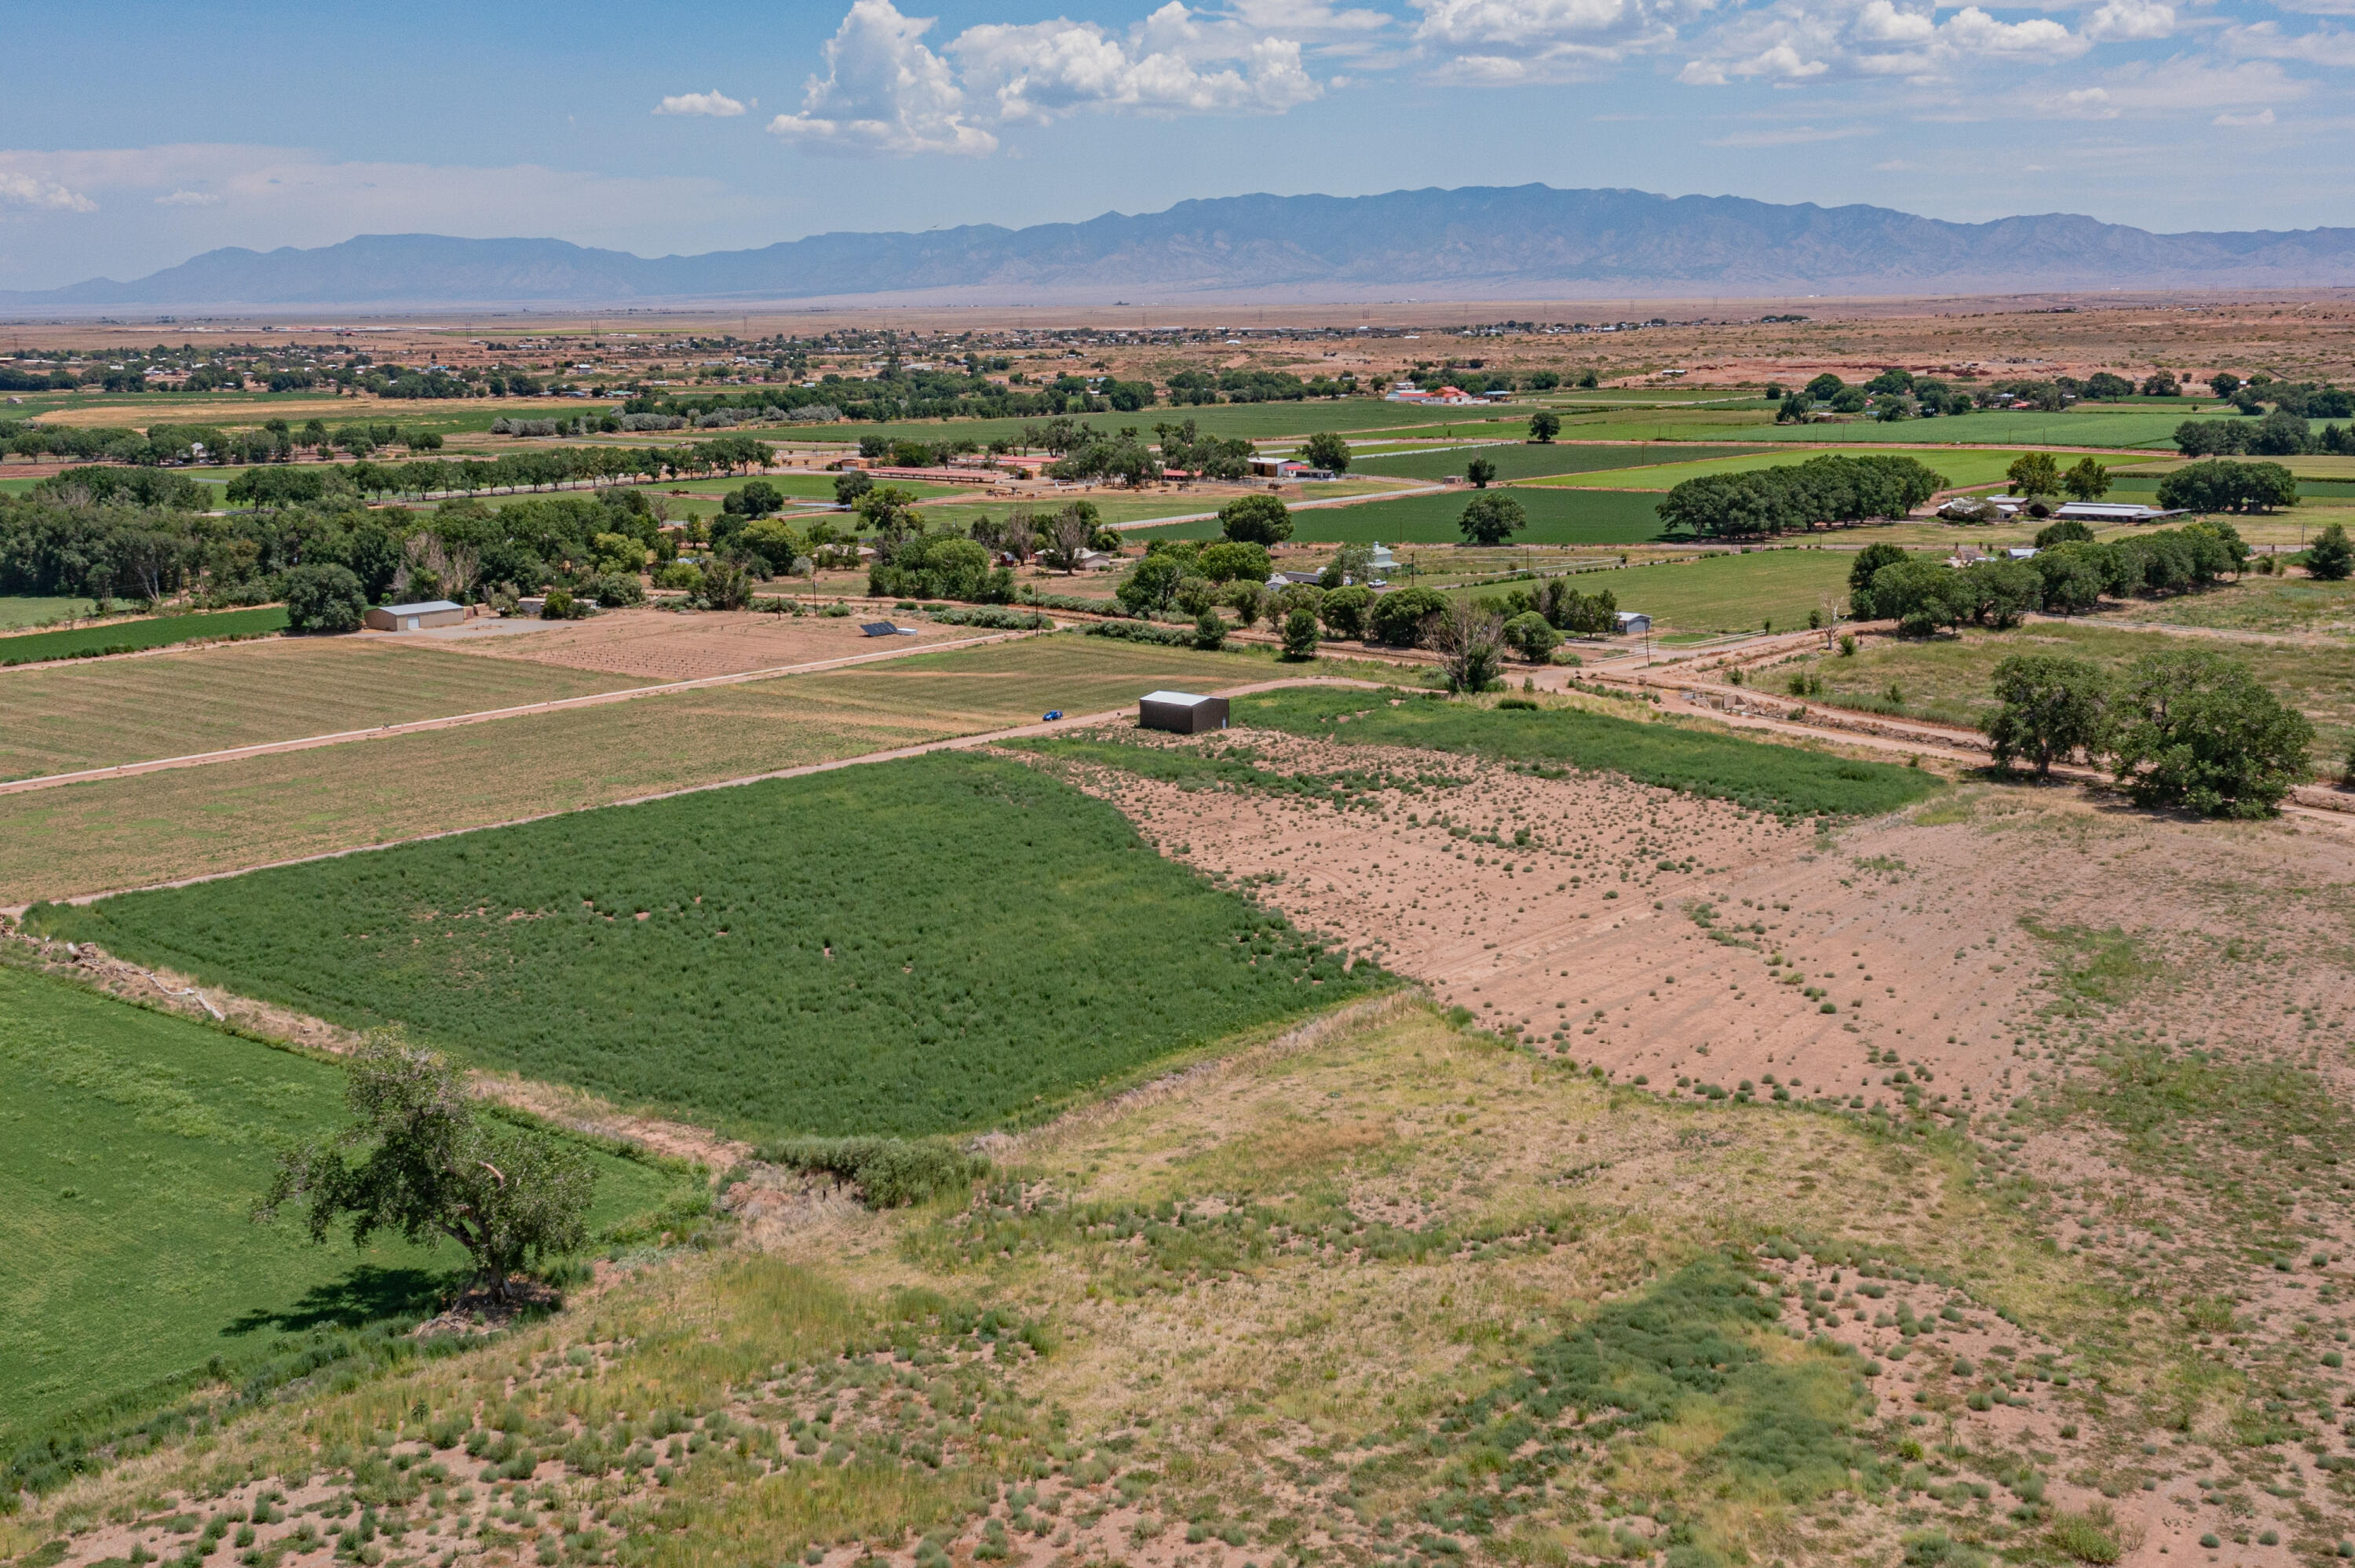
(671, 645)
(1661, 937)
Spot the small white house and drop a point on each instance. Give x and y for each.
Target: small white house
(1634, 623)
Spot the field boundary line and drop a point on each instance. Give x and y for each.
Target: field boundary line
(485, 715)
(947, 743)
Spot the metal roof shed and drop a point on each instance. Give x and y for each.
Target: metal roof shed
(1180, 713)
(414, 617)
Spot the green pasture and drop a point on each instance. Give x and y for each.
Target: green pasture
(137, 1143)
(1960, 465)
(32, 609)
(1532, 460)
(931, 945)
(1952, 678)
(1726, 592)
(1760, 775)
(1556, 517)
(1251, 422)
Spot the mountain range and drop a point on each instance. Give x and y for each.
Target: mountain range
(1519, 242)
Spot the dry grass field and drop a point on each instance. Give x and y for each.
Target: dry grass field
(89, 838)
(658, 645)
(65, 717)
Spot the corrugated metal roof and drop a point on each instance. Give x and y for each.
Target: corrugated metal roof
(429, 605)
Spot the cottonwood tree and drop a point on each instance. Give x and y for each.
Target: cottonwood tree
(1470, 641)
(2197, 732)
(2033, 474)
(1326, 450)
(324, 598)
(2052, 709)
(1491, 519)
(1480, 472)
(1255, 520)
(1544, 425)
(1068, 534)
(510, 1198)
(2089, 481)
(2330, 557)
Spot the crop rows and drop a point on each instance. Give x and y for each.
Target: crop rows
(136, 636)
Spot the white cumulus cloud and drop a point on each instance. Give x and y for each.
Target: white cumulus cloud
(883, 91)
(1536, 40)
(1039, 71)
(188, 199)
(2182, 85)
(2266, 41)
(2125, 21)
(20, 189)
(715, 104)
(1796, 40)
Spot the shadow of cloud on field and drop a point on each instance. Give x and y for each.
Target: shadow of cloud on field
(367, 1295)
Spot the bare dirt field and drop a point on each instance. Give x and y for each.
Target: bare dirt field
(1666, 939)
(675, 645)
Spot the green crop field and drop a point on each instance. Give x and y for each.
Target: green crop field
(1760, 775)
(132, 635)
(1530, 460)
(1556, 517)
(62, 717)
(940, 943)
(21, 610)
(1726, 592)
(137, 1144)
(1960, 465)
(2008, 426)
(1252, 421)
(128, 832)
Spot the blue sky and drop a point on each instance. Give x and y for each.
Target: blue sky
(174, 129)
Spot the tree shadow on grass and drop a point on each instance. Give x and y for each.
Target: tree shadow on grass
(367, 1295)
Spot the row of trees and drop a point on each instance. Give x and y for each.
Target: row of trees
(2069, 574)
(276, 441)
(549, 469)
(2186, 729)
(2279, 433)
(2220, 486)
(1832, 488)
(68, 541)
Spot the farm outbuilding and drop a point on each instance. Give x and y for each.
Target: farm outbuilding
(1180, 713)
(1633, 624)
(415, 616)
